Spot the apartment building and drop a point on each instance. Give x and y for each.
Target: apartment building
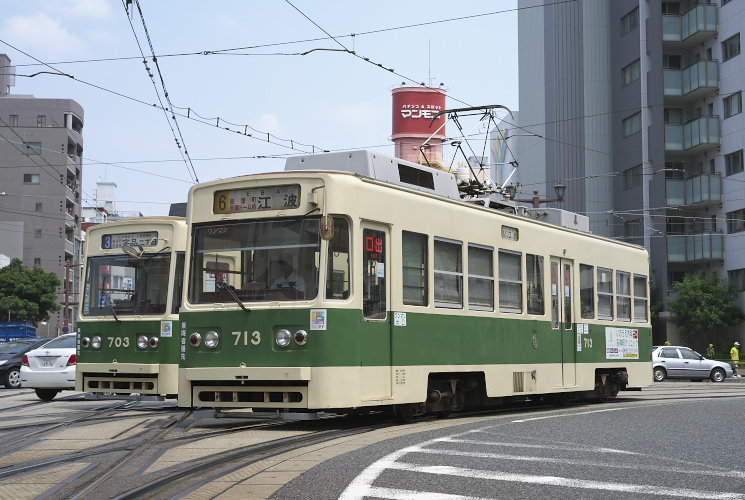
(638, 105)
(41, 149)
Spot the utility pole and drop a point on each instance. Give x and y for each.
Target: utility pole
(66, 312)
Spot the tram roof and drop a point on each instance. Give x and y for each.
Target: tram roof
(382, 168)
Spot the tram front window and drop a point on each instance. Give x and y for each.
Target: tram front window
(255, 261)
(123, 285)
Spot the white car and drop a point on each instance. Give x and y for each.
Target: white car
(51, 368)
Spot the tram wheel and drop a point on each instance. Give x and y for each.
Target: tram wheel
(403, 413)
(562, 399)
(444, 414)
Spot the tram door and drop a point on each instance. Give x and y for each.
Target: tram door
(375, 329)
(561, 317)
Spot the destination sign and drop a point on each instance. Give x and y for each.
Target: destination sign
(257, 199)
(111, 241)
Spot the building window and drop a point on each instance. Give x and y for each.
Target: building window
(37, 261)
(733, 162)
(31, 178)
(13, 121)
(414, 260)
(632, 177)
(736, 221)
(623, 296)
(587, 291)
(733, 105)
(534, 272)
(731, 47)
(41, 121)
(605, 293)
(480, 278)
(448, 273)
(671, 61)
(671, 8)
(725, 2)
(673, 115)
(630, 73)
(632, 124)
(675, 225)
(630, 21)
(31, 148)
(640, 298)
(634, 229)
(38, 207)
(37, 233)
(737, 277)
(510, 282)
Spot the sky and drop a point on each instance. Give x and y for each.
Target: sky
(239, 65)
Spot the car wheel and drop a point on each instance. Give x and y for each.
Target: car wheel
(659, 374)
(717, 375)
(13, 379)
(46, 394)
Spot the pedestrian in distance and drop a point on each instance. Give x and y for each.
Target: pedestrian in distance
(710, 351)
(734, 355)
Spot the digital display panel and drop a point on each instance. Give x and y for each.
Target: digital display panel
(257, 199)
(111, 241)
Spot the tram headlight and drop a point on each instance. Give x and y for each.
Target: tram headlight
(195, 339)
(154, 341)
(301, 337)
(142, 342)
(283, 338)
(85, 342)
(211, 339)
(96, 342)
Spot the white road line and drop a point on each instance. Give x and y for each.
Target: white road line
(593, 463)
(415, 495)
(443, 470)
(590, 449)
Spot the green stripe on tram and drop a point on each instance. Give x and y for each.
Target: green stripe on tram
(427, 339)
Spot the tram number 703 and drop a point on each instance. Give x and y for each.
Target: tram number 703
(118, 341)
(255, 338)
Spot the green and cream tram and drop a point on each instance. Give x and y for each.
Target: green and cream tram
(355, 280)
(134, 275)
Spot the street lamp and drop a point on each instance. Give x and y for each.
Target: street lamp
(536, 200)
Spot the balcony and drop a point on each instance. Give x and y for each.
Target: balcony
(691, 28)
(694, 82)
(703, 188)
(698, 134)
(698, 247)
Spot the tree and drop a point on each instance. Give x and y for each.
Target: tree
(704, 305)
(27, 294)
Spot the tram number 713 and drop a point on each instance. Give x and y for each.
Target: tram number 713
(255, 338)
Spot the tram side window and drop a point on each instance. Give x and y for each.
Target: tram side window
(587, 291)
(623, 296)
(337, 269)
(178, 283)
(415, 272)
(480, 278)
(448, 273)
(605, 293)
(640, 298)
(374, 304)
(510, 282)
(534, 271)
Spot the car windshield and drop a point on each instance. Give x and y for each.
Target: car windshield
(126, 285)
(14, 347)
(65, 342)
(255, 261)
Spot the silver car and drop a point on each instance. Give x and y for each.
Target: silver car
(670, 361)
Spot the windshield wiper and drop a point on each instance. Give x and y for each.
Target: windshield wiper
(224, 286)
(113, 312)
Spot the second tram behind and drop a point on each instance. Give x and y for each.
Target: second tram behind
(134, 273)
(354, 281)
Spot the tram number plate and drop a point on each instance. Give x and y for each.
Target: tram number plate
(46, 362)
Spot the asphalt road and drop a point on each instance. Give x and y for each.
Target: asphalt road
(674, 440)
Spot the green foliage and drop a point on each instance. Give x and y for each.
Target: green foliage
(705, 304)
(29, 294)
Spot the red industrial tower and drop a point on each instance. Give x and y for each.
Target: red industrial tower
(413, 111)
